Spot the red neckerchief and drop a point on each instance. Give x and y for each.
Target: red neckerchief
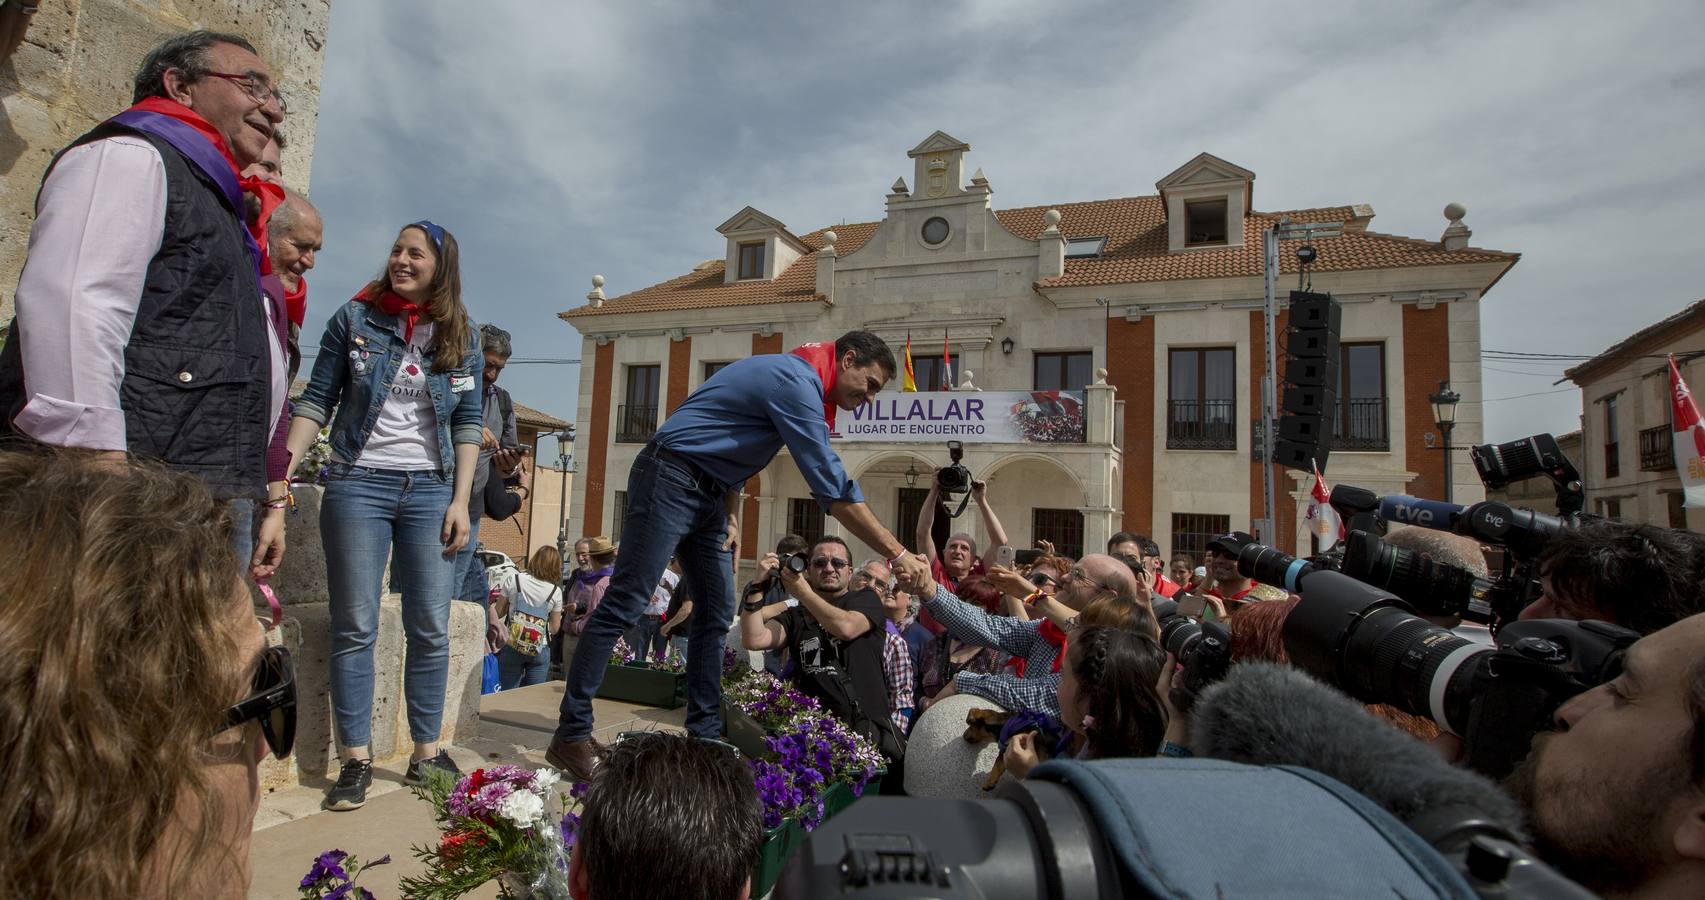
(297, 301)
(1165, 586)
(268, 193)
(1216, 592)
(821, 356)
(1053, 635)
(392, 303)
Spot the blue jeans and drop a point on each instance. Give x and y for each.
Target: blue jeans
(679, 644)
(243, 533)
(366, 517)
(671, 509)
(516, 669)
(470, 572)
(645, 638)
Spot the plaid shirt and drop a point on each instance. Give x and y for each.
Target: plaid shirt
(1038, 689)
(898, 671)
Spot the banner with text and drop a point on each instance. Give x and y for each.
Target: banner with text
(982, 417)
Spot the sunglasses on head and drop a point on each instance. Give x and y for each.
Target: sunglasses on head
(824, 562)
(627, 735)
(273, 702)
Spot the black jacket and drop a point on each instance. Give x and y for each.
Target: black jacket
(197, 381)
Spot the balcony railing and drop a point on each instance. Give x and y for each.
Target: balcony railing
(1201, 425)
(1361, 425)
(1657, 449)
(635, 424)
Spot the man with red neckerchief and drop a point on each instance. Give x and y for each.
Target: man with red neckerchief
(683, 490)
(142, 329)
(1230, 586)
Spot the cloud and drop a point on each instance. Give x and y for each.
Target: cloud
(561, 140)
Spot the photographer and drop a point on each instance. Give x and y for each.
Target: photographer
(768, 590)
(1143, 548)
(1616, 795)
(837, 639)
(959, 558)
(1638, 576)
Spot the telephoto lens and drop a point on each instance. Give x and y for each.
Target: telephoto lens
(1203, 651)
(1432, 588)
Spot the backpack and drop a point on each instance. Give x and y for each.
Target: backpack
(527, 632)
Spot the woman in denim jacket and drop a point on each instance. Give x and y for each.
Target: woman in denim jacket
(401, 365)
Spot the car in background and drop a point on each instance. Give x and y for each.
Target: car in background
(498, 565)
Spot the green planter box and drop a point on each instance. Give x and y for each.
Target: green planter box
(741, 731)
(779, 844)
(645, 686)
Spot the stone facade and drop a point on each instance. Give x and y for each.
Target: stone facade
(75, 68)
(1008, 285)
(1626, 458)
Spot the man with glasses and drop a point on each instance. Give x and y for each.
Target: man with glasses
(836, 637)
(899, 659)
(142, 328)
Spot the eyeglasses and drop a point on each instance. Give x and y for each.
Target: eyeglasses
(258, 91)
(1044, 582)
(1077, 573)
(626, 735)
(824, 562)
(273, 702)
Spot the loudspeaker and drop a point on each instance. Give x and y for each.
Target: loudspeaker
(1316, 311)
(1312, 343)
(1320, 372)
(1307, 400)
(1303, 429)
(1300, 456)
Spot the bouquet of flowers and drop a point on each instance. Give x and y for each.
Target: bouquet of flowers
(621, 654)
(497, 824)
(314, 461)
(670, 659)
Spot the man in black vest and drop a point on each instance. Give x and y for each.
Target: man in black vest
(141, 324)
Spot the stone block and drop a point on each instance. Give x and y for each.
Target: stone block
(301, 577)
(112, 38)
(939, 763)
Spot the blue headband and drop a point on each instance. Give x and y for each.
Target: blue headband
(434, 231)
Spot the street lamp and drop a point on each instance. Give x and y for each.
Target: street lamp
(564, 443)
(912, 474)
(1444, 415)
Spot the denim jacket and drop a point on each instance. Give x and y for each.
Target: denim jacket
(371, 335)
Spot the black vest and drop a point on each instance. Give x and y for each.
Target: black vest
(197, 390)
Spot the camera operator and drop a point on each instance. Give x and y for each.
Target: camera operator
(1616, 795)
(959, 558)
(767, 589)
(837, 638)
(1638, 576)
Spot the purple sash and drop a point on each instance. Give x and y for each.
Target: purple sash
(206, 157)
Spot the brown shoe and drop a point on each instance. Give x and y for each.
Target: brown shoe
(575, 759)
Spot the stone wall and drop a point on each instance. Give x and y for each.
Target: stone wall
(75, 68)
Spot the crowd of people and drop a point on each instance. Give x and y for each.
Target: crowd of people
(144, 479)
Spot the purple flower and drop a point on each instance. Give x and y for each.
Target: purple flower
(579, 790)
(570, 827)
(326, 865)
(509, 773)
(490, 796)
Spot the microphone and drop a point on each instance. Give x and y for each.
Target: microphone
(1268, 715)
(1406, 510)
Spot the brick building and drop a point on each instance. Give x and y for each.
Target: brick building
(1627, 461)
(514, 536)
(1163, 292)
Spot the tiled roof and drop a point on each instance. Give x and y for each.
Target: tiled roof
(1631, 346)
(1136, 251)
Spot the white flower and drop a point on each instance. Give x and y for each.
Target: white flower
(524, 808)
(544, 780)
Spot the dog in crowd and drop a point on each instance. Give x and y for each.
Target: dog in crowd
(983, 726)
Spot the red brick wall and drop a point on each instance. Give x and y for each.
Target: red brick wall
(512, 535)
(1426, 362)
(1130, 369)
(680, 373)
(598, 442)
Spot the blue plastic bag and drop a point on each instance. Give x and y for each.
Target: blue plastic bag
(490, 681)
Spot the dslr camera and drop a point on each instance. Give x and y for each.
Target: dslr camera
(1371, 645)
(954, 479)
(1203, 651)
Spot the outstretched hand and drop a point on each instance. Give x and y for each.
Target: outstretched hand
(912, 573)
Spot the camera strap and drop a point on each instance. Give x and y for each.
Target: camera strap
(964, 501)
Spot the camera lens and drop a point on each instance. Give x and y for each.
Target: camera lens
(1179, 635)
(797, 562)
(1270, 566)
(1433, 588)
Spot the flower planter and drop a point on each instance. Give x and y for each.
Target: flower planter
(779, 844)
(645, 686)
(741, 731)
(840, 795)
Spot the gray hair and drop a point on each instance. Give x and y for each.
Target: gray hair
(286, 214)
(495, 340)
(1440, 547)
(188, 54)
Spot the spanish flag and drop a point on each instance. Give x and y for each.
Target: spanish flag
(909, 381)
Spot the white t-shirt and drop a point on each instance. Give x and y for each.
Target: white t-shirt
(405, 437)
(659, 604)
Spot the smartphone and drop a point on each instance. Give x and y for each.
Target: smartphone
(1027, 557)
(1191, 605)
(1004, 556)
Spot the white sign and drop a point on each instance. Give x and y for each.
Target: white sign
(1009, 417)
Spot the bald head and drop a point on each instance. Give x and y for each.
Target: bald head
(294, 235)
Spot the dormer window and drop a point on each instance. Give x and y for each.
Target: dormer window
(751, 260)
(1085, 247)
(1204, 222)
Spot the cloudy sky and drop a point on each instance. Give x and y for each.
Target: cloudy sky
(563, 139)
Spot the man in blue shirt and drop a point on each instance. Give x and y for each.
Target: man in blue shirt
(683, 491)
